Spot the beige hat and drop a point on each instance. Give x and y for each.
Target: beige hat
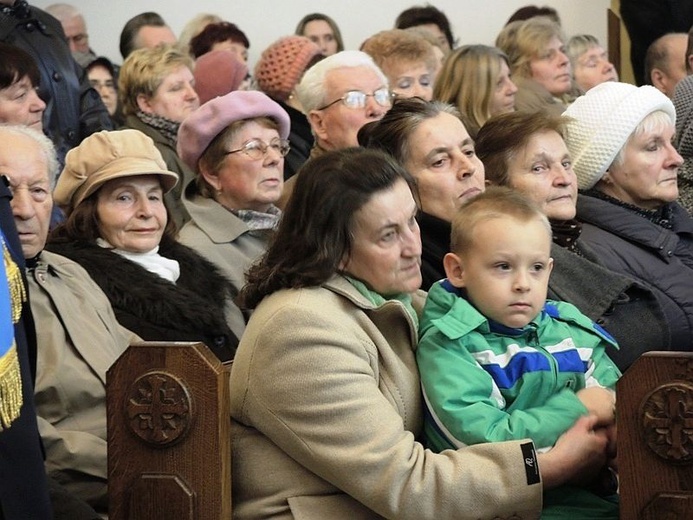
(104, 156)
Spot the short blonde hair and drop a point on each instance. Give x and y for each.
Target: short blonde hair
(468, 80)
(495, 202)
(144, 70)
(524, 41)
(399, 46)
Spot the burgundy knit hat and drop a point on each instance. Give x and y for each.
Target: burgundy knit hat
(204, 124)
(217, 73)
(282, 65)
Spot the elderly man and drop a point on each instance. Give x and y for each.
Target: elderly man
(339, 95)
(75, 31)
(665, 62)
(77, 333)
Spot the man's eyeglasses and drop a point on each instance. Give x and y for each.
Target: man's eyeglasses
(358, 99)
(257, 149)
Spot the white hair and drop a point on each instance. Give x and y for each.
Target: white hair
(311, 90)
(45, 145)
(62, 12)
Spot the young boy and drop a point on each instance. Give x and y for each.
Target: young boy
(498, 361)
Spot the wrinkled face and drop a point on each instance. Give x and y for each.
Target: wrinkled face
(239, 50)
(175, 98)
(503, 100)
(246, 183)
(506, 270)
(445, 165)
(336, 126)
(551, 68)
(647, 177)
(386, 246)
(24, 165)
(21, 105)
(131, 213)
(410, 79)
(102, 81)
(543, 172)
(150, 36)
(320, 33)
(593, 67)
(76, 33)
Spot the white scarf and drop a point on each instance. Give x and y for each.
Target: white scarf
(152, 261)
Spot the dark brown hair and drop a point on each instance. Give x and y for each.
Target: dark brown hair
(315, 232)
(216, 33)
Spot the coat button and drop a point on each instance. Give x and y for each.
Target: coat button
(57, 76)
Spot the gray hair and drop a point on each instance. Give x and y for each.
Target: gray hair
(45, 145)
(311, 90)
(62, 12)
(578, 45)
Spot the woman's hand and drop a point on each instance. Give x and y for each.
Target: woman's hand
(600, 402)
(577, 456)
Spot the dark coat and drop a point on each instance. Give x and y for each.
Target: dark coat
(74, 110)
(192, 309)
(625, 308)
(660, 258)
(300, 138)
(435, 243)
(23, 486)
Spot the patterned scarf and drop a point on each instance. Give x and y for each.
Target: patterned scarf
(167, 128)
(12, 296)
(566, 233)
(259, 221)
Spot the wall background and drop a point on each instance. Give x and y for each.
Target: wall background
(263, 21)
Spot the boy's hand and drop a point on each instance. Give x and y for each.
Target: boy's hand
(600, 402)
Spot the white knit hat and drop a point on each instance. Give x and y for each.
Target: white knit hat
(602, 121)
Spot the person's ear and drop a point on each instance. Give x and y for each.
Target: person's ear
(211, 178)
(454, 269)
(144, 104)
(317, 123)
(658, 79)
(549, 266)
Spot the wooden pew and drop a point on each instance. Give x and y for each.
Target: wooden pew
(169, 441)
(654, 414)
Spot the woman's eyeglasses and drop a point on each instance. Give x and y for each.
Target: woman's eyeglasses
(358, 99)
(257, 149)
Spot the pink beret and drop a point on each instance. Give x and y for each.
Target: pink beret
(204, 124)
(217, 73)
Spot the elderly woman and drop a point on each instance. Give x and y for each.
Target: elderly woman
(277, 74)
(20, 103)
(476, 79)
(621, 140)
(325, 387)
(538, 64)
(589, 61)
(236, 144)
(408, 61)
(322, 31)
(526, 151)
(118, 229)
(156, 90)
(432, 143)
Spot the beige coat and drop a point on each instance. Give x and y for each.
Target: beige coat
(326, 409)
(78, 339)
(223, 239)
